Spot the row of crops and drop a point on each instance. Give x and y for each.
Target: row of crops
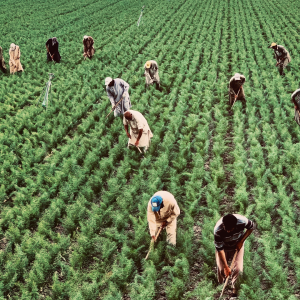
(73, 198)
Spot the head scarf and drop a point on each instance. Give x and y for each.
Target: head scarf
(12, 47)
(54, 41)
(237, 76)
(85, 37)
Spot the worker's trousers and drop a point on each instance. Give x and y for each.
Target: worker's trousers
(283, 65)
(171, 229)
(240, 96)
(237, 268)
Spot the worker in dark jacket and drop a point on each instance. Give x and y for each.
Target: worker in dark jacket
(236, 91)
(282, 57)
(52, 50)
(296, 100)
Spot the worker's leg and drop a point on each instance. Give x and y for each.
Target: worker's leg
(171, 232)
(238, 266)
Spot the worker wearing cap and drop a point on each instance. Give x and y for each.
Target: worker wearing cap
(151, 73)
(295, 98)
(117, 89)
(236, 91)
(140, 133)
(162, 211)
(282, 57)
(88, 47)
(229, 236)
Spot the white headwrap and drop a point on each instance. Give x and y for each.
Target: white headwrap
(237, 76)
(54, 41)
(12, 47)
(108, 80)
(85, 37)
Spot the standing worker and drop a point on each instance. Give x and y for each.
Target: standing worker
(236, 91)
(140, 133)
(162, 211)
(2, 62)
(151, 73)
(229, 236)
(88, 47)
(14, 59)
(52, 50)
(296, 100)
(282, 57)
(117, 89)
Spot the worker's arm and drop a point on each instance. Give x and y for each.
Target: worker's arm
(222, 258)
(126, 129)
(240, 243)
(151, 221)
(139, 136)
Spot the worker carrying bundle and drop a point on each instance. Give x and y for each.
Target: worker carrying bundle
(229, 237)
(88, 47)
(162, 212)
(117, 92)
(2, 61)
(151, 73)
(296, 100)
(140, 134)
(236, 91)
(14, 59)
(52, 50)
(282, 57)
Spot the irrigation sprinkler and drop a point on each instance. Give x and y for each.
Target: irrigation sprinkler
(46, 92)
(139, 20)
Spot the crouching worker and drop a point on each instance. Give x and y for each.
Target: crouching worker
(2, 62)
(140, 134)
(88, 47)
(52, 50)
(229, 236)
(117, 92)
(296, 100)
(14, 59)
(236, 91)
(282, 57)
(151, 73)
(162, 211)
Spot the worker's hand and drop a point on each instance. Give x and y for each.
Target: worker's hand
(295, 106)
(113, 107)
(153, 238)
(137, 142)
(277, 64)
(227, 271)
(239, 245)
(129, 136)
(164, 224)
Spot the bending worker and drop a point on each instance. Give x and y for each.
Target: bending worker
(2, 61)
(282, 57)
(14, 59)
(151, 73)
(117, 92)
(236, 91)
(140, 134)
(229, 236)
(296, 100)
(162, 211)
(88, 47)
(52, 50)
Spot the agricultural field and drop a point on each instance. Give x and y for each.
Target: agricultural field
(73, 198)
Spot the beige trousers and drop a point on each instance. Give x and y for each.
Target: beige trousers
(237, 267)
(171, 231)
(144, 141)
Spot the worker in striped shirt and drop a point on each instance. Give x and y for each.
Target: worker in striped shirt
(229, 236)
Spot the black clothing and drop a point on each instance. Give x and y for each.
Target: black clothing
(53, 49)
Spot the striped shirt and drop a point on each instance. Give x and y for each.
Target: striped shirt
(227, 240)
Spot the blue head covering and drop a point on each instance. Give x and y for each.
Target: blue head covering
(156, 203)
